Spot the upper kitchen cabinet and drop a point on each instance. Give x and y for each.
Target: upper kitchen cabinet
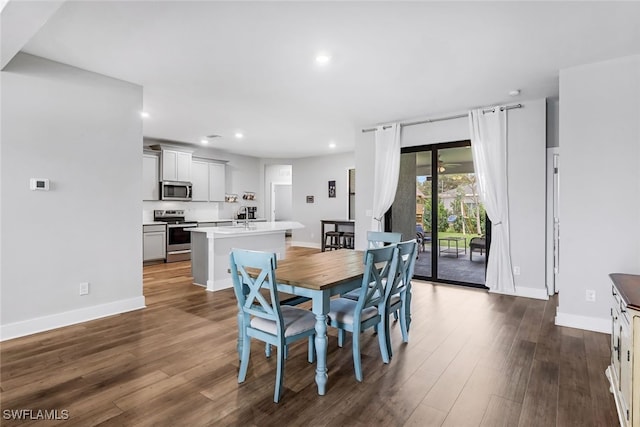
(176, 165)
(208, 180)
(150, 176)
(217, 182)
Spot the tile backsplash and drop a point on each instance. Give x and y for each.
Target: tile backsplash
(195, 211)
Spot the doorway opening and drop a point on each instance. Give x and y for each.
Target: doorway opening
(438, 200)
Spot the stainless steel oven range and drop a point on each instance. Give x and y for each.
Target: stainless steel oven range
(178, 234)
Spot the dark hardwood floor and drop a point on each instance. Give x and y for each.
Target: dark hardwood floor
(474, 359)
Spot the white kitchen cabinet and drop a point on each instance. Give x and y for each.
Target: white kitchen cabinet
(154, 242)
(150, 177)
(208, 179)
(176, 165)
(200, 181)
(217, 182)
(624, 371)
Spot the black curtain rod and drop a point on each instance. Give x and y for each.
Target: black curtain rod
(439, 119)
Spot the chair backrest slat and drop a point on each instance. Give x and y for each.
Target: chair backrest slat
(379, 239)
(380, 271)
(251, 301)
(407, 253)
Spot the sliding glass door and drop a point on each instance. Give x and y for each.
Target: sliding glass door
(450, 220)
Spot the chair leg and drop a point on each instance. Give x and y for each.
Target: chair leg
(340, 337)
(240, 335)
(404, 326)
(357, 366)
(395, 315)
(312, 349)
(407, 308)
(279, 373)
(383, 339)
(244, 360)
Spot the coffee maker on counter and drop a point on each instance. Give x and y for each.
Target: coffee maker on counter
(247, 212)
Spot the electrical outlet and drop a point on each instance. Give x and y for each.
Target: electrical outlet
(516, 270)
(590, 295)
(84, 288)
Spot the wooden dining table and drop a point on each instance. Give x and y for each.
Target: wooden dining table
(320, 276)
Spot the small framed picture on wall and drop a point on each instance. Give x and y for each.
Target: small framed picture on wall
(332, 189)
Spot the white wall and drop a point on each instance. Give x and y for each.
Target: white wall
(599, 186)
(83, 132)
(527, 158)
(310, 178)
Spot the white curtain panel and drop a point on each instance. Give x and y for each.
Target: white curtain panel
(386, 172)
(489, 148)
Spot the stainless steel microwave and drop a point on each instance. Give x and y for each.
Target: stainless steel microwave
(175, 190)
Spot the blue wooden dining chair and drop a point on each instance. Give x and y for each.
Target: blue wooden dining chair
(265, 319)
(378, 239)
(399, 293)
(345, 314)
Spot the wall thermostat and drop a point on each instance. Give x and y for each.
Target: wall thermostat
(39, 184)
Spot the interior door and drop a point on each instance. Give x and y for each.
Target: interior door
(553, 219)
(282, 202)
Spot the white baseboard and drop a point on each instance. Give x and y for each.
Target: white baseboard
(219, 284)
(306, 244)
(596, 324)
(521, 291)
(58, 320)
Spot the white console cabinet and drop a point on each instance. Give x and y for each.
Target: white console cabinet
(624, 371)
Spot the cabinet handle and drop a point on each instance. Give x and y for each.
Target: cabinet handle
(613, 291)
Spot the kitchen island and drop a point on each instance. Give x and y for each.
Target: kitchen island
(210, 248)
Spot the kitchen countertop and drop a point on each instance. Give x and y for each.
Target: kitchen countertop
(240, 230)
(154, 223)
(229, 220)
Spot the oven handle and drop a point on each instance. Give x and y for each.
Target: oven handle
(183, 225)
(186, 251)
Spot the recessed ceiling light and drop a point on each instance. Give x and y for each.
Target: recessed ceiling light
(514, 92)
(239, 135)
(323, 58)
(144, 114)
(204, 141)
(332, 145)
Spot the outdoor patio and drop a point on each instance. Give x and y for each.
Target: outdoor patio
(460, 269)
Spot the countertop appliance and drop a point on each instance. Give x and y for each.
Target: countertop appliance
(176, 190)
(247, 212)
(178, 234)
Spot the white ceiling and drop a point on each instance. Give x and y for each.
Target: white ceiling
(223, 67)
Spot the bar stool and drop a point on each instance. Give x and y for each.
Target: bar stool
(348, 239)
(332, 240)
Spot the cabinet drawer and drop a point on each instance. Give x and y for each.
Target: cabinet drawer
(153, 228)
